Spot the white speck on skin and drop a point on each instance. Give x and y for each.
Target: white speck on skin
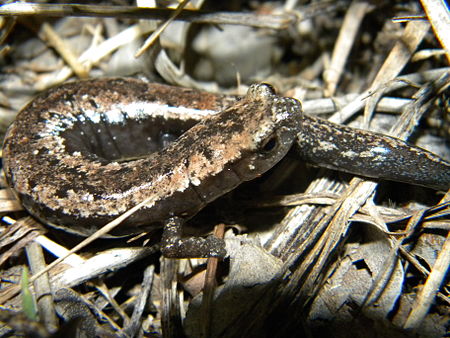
(380, 150)
(349, 154)
(327, 146)
(195, 181)
(92, 115)
(87, 197)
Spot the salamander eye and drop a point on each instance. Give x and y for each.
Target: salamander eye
(270, 144)
(268, 88)
(260, 91)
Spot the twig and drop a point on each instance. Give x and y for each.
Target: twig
(281, 21)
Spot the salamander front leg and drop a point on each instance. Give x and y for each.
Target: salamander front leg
(173, 246)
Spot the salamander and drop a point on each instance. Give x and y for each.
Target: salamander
(83, 153)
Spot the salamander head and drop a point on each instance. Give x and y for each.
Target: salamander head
(273, 122)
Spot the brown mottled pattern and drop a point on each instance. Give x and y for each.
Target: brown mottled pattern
(81, 191)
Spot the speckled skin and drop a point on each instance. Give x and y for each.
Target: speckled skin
(370, 154)
(60, 153)
(69, 154)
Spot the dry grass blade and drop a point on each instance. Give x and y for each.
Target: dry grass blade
(93, 55)
(382, 279)
(428, 292)
(103, 262)
(42, 287)
(210, 285)
(344, 44)
(336, 227)
(360, 101)
(439, 17)
(8, 203)
(171, 321)
(132, 327)
(6, 26)
(130, 12)
(414, 33)
(56, 42)
(152, 38)
(19, 235)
